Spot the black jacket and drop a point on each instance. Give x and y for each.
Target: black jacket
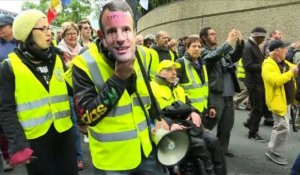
(221, 59)
(216, 60)
(252, 62)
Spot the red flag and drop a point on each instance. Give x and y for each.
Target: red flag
(54, 9)
(51, 15)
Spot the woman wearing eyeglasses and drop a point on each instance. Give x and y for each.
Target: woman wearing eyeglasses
(34, 104)
(86, 32)
(70, 46)
(69, 43)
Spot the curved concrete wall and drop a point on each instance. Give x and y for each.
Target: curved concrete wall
(189, 16)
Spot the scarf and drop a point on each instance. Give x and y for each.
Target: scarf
(36, 54)
(66, 48)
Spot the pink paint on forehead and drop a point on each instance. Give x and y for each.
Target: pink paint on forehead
(115, 17)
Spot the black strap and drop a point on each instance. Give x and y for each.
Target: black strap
(157, 111)
(149, 67)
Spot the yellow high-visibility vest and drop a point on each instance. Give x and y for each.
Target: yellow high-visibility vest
(240, 70)
(165, 96)
(154, 62)
(37, 108)
(119, 139)
(194, 89)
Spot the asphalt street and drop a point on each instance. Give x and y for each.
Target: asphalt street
(250, 156)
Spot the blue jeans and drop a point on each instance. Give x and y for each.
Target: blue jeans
(296, 166)
(75, 131)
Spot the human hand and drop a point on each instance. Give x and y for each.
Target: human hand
(233, 36)
(212, 113)
(160, 124)
(196, 119)
(240, 36)
(124, 69)
(67, 58)
(177, 126)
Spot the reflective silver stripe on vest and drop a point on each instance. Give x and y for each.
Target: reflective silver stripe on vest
(32, 105)
(143, 125)
(110, 137)
(94, 70)
(62, 114)
(59, 98)
(41, 102)
(194, 84)
(36, 121)
(195, 100)
(120, 136)
(120, 110)
(145, 100)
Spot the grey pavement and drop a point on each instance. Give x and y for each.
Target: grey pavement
(250, 156)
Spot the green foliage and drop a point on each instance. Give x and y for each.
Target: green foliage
(43, 6)
(75, 12)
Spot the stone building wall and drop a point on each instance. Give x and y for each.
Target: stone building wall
(189, 16)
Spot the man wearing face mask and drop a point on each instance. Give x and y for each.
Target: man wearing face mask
(34, 104)
(112, 97)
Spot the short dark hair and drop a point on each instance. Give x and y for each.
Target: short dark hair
(185, 38)
(204, 33)
(115, 5)
(85, 21)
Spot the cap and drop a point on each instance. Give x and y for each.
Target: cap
(167, 64)
(274, 44)
(25, 22)
(258, 31)
(6, 20)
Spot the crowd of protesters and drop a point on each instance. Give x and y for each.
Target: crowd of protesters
(54, 89)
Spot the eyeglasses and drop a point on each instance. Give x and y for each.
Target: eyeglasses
(71, 34)
(85, 28)
(43, 29)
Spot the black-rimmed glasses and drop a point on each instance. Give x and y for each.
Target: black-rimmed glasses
(43, 29)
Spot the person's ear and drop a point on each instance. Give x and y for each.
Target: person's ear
(100, 34)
